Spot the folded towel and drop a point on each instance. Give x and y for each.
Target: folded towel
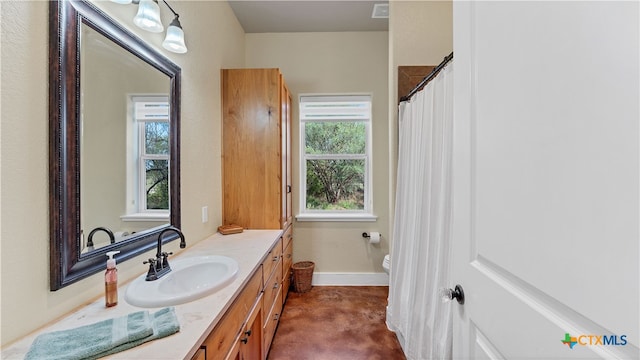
(105, 337)
(164, 323)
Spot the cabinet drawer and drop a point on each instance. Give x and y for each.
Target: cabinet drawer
(272, 321)
(271, 260)
(224, 334)
(287, 237)
(272, 287)
(287, 261)
(286, 285)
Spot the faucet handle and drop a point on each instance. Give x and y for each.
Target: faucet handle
(165, 261)
(152, 273)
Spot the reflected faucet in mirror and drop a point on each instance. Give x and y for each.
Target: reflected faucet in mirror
(159, 266)
(112, 238)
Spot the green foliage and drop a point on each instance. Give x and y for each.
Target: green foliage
(157, 171)
(335, 138)
(156, 137)
(335, 184)
(157, 184)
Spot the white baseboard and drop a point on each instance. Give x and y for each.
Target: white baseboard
(350, 279)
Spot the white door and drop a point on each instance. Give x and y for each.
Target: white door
(546, 179)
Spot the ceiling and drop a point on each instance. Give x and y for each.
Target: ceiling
(268, 16)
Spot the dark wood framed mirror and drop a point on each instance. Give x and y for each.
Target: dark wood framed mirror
(70, 259)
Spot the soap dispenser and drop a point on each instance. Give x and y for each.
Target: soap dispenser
(111, 281)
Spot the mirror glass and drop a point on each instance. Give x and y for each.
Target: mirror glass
(124, 143)
(114, 142)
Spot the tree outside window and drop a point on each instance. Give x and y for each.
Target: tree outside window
(156, 165)
(336, 135)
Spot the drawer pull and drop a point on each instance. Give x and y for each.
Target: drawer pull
(275, 258)
(275, 285)
(276, 317)
(288, 256)
(244, 340)
(248, 332)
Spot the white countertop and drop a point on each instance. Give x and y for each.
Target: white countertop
(196, 318)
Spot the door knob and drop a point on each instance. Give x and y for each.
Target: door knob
(457, 293)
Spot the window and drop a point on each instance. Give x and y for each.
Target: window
(149, 158)
(335, 136)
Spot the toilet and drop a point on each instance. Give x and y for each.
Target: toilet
(386, 263)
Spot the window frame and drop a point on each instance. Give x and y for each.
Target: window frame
(136, 157)
(365, 214)
(141, 174)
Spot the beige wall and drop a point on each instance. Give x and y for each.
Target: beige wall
(348, 62)
(343, 62)
(420, 33)
(215, 40)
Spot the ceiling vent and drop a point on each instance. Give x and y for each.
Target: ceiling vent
(380, 11)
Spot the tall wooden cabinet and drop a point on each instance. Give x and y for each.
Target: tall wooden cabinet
(256, 177)
(256, 150)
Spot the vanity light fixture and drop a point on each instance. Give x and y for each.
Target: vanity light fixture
(174, 41)
(148, 18)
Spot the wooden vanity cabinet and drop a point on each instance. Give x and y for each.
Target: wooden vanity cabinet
(218, 345)
(246, 330)
(256, 149)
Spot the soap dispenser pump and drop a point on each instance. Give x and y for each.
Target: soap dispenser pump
(111, 281)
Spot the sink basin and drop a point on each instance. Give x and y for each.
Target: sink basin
(190, 278)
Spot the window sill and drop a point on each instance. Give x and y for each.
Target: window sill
(349, 217)
(160, 217)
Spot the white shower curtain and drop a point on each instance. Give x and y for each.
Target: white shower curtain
(421, 238)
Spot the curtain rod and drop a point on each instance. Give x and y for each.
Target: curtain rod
(427, 78)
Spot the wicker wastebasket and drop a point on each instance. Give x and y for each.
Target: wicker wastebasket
(302, 274)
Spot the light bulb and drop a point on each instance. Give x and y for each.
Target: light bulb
(174, 41)
(148, 16)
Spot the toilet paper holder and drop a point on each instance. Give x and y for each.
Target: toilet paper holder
(366, 235)
(373, 237)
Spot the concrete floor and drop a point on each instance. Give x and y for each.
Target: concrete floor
(335, 323)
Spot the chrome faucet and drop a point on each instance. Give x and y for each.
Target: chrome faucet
(159, 266)
(109, 232)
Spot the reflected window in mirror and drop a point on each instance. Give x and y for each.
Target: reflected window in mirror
(148, 195)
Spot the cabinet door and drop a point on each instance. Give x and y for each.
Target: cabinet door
(251, 337)
(285, 99)
(251, 148)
